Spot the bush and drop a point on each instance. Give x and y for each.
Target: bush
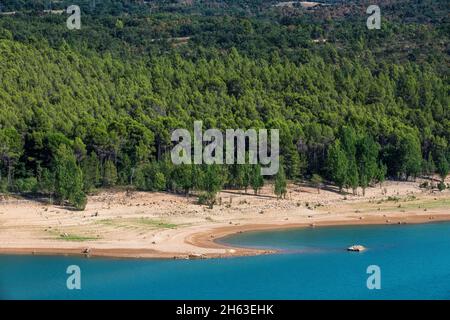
(149, 178)
(3, 186)
(202, 198)
(441, 186)
(207, 198)
(424, 185)
(159, 183)
(79, 201)
(26, 185)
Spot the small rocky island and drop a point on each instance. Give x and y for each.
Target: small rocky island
(356, 247)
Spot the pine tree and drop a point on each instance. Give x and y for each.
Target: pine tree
(367, 157)
(442, 166)
(212, 183)
(109, 174)
(256, 179)
(381, 173)
(246, 168)
(316, 180)
(429, 166)
(91, 172)
(159, 182)
(410, 156)
(280, 186)
(352, 176)
(337, 164)
(69, 178)
(182, 177)
(11, 148)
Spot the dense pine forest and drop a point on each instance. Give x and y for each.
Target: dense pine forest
(95, 108)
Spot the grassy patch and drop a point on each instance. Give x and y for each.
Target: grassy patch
(76, 237)
(156, 223)
(139, 222)
(59, 235)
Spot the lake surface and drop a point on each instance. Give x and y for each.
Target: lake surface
(414, 261)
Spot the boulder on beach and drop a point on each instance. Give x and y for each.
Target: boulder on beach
(196, 256)
(356, 247)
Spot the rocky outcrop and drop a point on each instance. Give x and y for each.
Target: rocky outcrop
(356, 247)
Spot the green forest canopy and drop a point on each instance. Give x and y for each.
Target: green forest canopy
(353, 107)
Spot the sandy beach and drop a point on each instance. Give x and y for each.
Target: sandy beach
(161, 225)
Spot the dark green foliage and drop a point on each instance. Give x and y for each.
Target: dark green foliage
(212, 182)
(429, 167)
(411, 156)
(182, 178)
(338, 165)
(442, 166)
(367, 159)
(381, 173)
(148, 177)
(26, 185)
(109, 174)
(11, 148)
(91, 172)
(356, 109)
(280, 184)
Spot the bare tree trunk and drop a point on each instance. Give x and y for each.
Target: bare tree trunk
(9, 172)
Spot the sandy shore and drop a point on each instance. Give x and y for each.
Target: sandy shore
(159, 225)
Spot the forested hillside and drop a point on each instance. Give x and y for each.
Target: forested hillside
(96, 107)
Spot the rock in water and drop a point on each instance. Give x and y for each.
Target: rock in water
(356, 247)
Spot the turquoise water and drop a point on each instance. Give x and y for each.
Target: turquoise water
(414, 262)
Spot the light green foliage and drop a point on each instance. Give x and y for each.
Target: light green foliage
(280, 184)
(68, 178)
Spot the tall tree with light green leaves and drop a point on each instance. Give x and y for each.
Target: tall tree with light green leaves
(68, 178)
(280, 184)
(367, 159)
(256, 178)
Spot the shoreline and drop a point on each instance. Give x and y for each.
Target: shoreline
(211, 239)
